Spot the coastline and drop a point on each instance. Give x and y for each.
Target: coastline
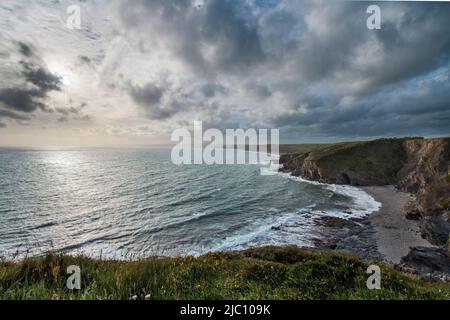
(383, 235)
(394, 234)
(416, 165)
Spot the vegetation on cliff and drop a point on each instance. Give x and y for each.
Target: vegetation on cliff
(357, 163)
(264, 273)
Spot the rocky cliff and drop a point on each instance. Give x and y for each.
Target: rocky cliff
(416, 165)
(426, 174)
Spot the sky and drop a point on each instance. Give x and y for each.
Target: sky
(137, 70)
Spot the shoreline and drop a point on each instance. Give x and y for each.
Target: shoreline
(393, 233)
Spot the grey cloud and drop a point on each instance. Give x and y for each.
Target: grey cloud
(25, 49)
(412, 43)
(150, 98)
(84, 59)
(210, 90)
(41, 77)
(147, 96)
(398, 111)
(342, 27)
(71, 110)
(237, 39)
(314, 54)
(25, 98)
(410, 47)
(234, 40)
(12, 115)
(260, 91)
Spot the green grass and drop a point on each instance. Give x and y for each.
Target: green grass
(379, 158)
(300, 148)
(360, 162)
(264, 273)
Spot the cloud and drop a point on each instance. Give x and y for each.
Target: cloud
(71, 110)
(211, 37)
(30, 96)
(150, 97)
(210, 90)
(339, 50)
(414, 107)
(258, 90)
(25, 49)
(41, 78)
(147, 96)
(24, 100)
(310, 68)
(85, 59)
(12, 115)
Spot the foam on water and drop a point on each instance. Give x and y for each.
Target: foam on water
(266, 234)
(363, 203)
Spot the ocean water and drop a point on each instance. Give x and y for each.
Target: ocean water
(134, 203)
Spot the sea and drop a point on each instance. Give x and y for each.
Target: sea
(134, 203)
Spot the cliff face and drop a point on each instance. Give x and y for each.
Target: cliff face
(427, 175)
(428, 161)
(419, 166)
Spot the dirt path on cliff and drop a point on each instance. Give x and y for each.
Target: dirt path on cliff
(393, 232)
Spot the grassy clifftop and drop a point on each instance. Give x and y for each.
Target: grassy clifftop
(358, 163)
(264, 273)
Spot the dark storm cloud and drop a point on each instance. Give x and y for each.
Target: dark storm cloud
(405, 110)
(31, 96)
(237, 39)
(339, 27)
(41, 78)
(414, 44)
(24, 100)
(233, 39)
(329, 42)
(150, 96)
(388, 73)
(333, 75)
(318, 43)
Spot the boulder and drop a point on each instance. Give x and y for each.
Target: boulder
(428, 260)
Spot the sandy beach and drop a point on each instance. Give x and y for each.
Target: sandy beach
(394, 234)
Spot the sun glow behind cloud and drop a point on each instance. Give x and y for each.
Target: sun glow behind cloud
(68, 77)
